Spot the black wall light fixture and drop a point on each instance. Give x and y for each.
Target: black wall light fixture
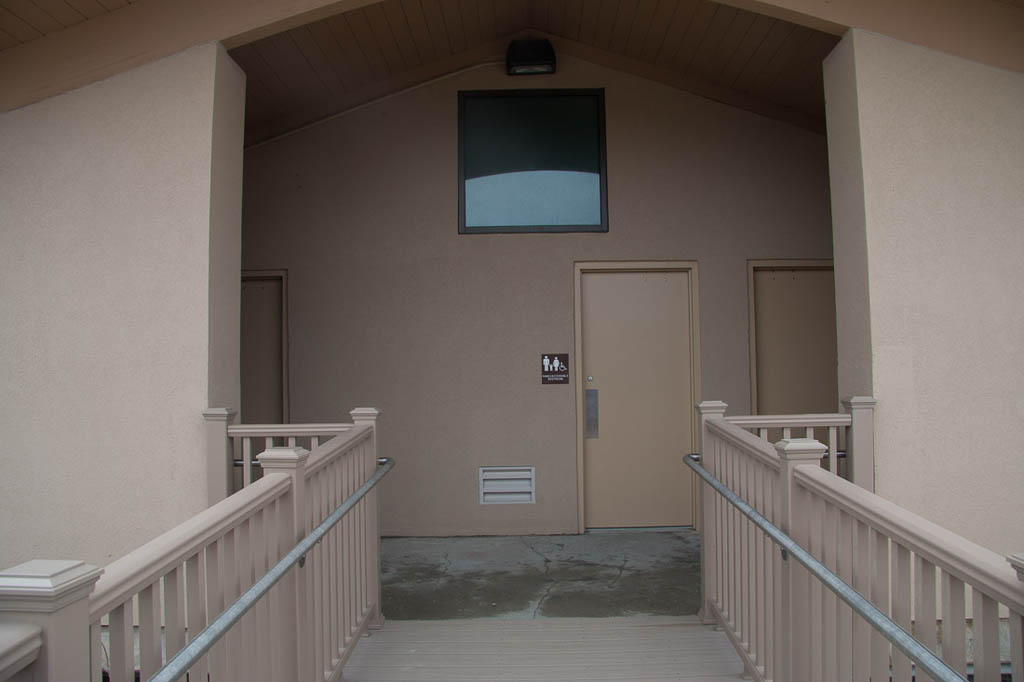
(530, 56)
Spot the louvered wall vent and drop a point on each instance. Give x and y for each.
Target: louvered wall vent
(508, 485)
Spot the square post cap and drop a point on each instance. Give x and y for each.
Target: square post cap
(364, 414)
(283, 458)
(46, 585)
(1017, 561)
(800, 449)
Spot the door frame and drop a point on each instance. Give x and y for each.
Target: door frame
(579, 269)
(282, 276)
(771, 264)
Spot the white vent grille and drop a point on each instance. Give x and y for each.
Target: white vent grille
(508, 485)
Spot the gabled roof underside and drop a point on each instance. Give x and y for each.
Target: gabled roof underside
(322, 68)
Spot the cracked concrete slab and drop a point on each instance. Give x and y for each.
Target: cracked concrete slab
(620, 573)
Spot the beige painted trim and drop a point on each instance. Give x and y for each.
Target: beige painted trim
(771, 264)
(581, 267)
(283, 276)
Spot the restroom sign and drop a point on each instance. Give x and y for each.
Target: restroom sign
(554, 368)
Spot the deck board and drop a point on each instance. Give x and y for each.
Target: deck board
(549, 649)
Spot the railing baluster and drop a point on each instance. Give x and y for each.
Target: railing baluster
(830, 543)
(122, 644)
(195, 601)
(833, 449)
(149, 631)
(925, 617)
(844, 614)
(861, 583)
(758, 584)
(96, 658)
(880, 598)
(246, 461)
(815, 508)
(953, 623)
(986, 638)
(901, 599)
(1017, 645)
(174, 611)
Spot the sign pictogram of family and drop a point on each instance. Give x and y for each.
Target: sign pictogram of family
(554, 368)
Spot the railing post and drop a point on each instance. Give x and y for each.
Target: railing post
(860, 442)
(294, 632)
(709, 547)
(219, 453)
(369, 415)
(52, 595)
(793, 628)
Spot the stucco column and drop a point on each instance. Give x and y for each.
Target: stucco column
(52, 595)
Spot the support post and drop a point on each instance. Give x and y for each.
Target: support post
(294, 627)
(708, 527)
(860, 442)
(369, 415)
(794, 601)
(53, 596)
(219, 453)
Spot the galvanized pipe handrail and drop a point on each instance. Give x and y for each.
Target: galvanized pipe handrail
(194, 650)
(900, 638)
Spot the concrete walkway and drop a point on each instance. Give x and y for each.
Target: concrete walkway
(602, 574)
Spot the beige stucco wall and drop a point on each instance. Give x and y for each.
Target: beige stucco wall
(109, 197)
(938, 214)
(391, 307)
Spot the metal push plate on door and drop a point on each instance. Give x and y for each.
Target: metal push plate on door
(590, 413)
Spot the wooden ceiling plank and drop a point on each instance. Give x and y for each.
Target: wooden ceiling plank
(318, 60)
(556, 17)
(682, 17)
(435, 23)
(780, 60)
(399, 82)
(772, 43)
(573, 18)
(418, 27)
(111, 5)
(384, 38)
(697, 86)
(7, 40)
(348, 64)
(589, 21)
(695, 33)
(488, 21)
(61, 11)
(606, 23)
(539, 14)
(453, 25)
(308, 92)
(623, 25)
(341, 33)
(34, 15)
(802, 78)
(17, 27)
(256, 67)
(90, 9)
(363, 34)
(470, 15)
(711, 59)
(642, 24)
(660, 22)
(397, 20)
(752, 39)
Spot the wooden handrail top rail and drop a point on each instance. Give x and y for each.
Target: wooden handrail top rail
(141, 567)
(322, 455)
(772, 421)
(762, 450)
(19, 646)
(973, 564)
(285, 430)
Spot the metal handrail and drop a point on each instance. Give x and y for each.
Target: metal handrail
(900, 638)
(187, 657)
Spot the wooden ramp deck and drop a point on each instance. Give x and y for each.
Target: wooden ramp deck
(545, 650)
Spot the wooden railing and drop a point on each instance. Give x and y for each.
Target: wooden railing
(849, 436)
(149, 604)
(947, 591)
(249, 440)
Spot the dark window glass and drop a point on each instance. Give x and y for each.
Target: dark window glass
(532, 161)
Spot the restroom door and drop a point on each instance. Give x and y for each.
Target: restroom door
(637, 330)
(264, 348)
